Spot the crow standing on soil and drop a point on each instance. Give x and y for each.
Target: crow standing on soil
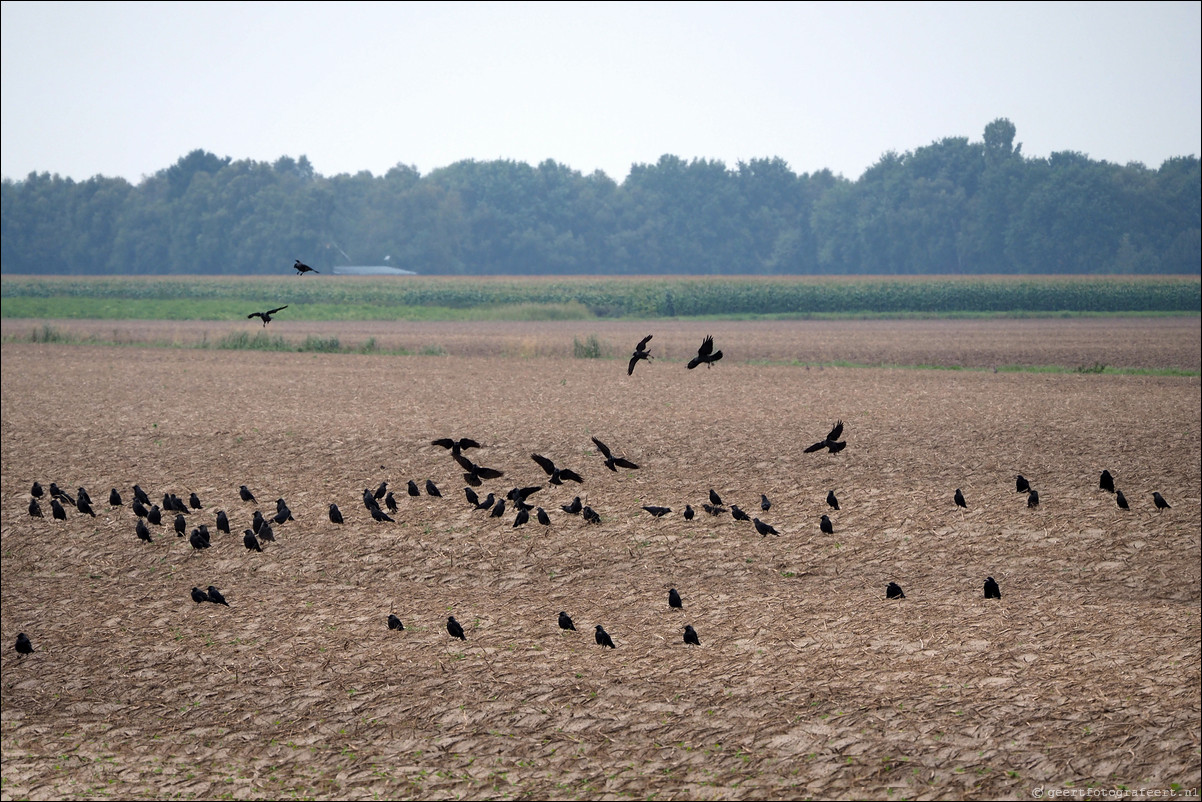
(36, 491)
(266, 316)
(1033, 499)
(57, 510)
(180, 525)
(565, 621)
(1161, 504)
(194, 501)
(257, 522)
(250, 541)
(541, 516)
(826, 526)
(688, 512)
(831, 442)
(640, 352)
(1021, 485)
(522, 518)
(56, 492)
(658, 512)
(223, 522)
(498, 510)
(114, 498)
(558, 475)
(199, 596)
(379, 515)
(24, 646)
(738, 514)
(959, 499)
(266, 533)
(154, 515)
(574, 507)
(763, 528)
(612, 462)
(139, 509)
(390, 502)
(705, 354)
(674, 599)
(690, 635)
(199, 539)
(765, 504)
(894, 591)
(282, 513)
(140, 495)
(992, 591)
(245, 494)
(216, 597)
(455, 630)
(301, 268)
(142, 531)
(1121, 500)
(432, 489)
(411, 488)
(590, 515)
(335, 514)
(602, 637)
(1106, 482)
(394, 622)
(35, 509)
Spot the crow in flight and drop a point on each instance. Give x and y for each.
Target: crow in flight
(1021, 485)
(831, 442)
(250, 541)
(674, 599)
(1121, 500)
(992, 591)
(518, 495)
(245, 494)
(199, 596)
(454, 629)
(565, 621)
(1161, 504)
(612, 462)
(658, 512)
(690, 635)
(223, 522)
(763, 528)
(266, 316)
(640, 352)
(602, 637)
(959, 499)
(1106, 482)
(216, 597)
(394, 622)
(474, 474)
(894, 591)
(558, 475)
(826, 526)
(35, 509)
(335, 514)
(23, 644)
(455, 445)
(302, 268)
(114, 498)
(706, 354)
(412, 489)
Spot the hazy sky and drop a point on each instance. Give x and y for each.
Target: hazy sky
(125, 89)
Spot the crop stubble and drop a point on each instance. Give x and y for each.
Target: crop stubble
(808, 682)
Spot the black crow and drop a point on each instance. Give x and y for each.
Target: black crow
(765, 504)
(712, 510)
(282, 513)
(380, 491)
(139, 509)
(489, 500)
(412, 488)
(301, 268)
(474, 474)
(335, 514)
(574, 508)
(763, 528)
(1106, 482)
(199, 539)
(738, 514)
(1121, 500)
(715, 499)
(992, 591)
(590, 515)
(640, 352)
(894, 591)
(379, 515)
(455, 445)
(199, 596)
(706, 354)
(266, 316)
(250, 541)
(245, 494)
(688, 512)
(143, 531)
(472, 497)
(369, 501)
(432, 489)
(140, 495)
(114, 498)
(390, 502)
(602, 637)
(541, 516)
(518, 495)
(394, 622)
(1161, 504)
(35, 510)
(194, 501)
(959, 499)
(23, 644)
(1033, 499)
(223, 522)
(498, 510)
(826, 526)
(55, 492)
(522, 518)
(831, 442)
(565, 621)
(154, 515)
(690, 635)
(180, 525)
(82, 493)
(57, 510)
(36, 491)
(216, 597)
(266, 533)
(558, 475)
(612, 462)
(1021, 485)
(658, 512)
(256, 523)
(674, 599)
(454, 629)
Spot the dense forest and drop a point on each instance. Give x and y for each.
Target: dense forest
(953, 207)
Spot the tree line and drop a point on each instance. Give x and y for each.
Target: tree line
(952, 207)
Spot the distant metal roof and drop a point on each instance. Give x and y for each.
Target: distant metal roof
(371, 270)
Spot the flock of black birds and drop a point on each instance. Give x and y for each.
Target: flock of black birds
(261, 530)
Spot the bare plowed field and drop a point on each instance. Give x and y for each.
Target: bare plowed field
(807, 682)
